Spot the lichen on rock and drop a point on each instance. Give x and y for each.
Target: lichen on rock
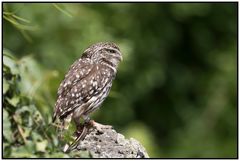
(111, 144)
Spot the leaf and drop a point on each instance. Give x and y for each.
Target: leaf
(37, 117)
(6, 70)
(36, 136)
(7, 53)
(8, 61)
(84, 154)
(18, 25)
(5, 144)
(5, 86)
(59, 155)
(6, 150)
(20, 152)
(26, 132)
(32, 76)
(62, 10)
(20, 18)
(55, 140)
(26, 151)
(41, 146)
(25, 112)
(7, 133)
(14, 101)
(17, 118)
(23, 109)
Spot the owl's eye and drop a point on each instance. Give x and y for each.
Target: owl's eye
(111, 51)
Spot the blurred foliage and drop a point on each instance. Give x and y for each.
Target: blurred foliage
(25, 132)
(176, 90)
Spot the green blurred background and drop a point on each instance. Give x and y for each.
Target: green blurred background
(175, 91)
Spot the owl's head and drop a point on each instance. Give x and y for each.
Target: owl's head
(104, 52)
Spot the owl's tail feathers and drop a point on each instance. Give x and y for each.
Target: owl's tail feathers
(54, 117)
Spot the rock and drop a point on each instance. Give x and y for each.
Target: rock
(111, 144)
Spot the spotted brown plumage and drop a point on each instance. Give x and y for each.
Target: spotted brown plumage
(87, 83)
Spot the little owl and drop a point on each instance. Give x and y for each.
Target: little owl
(86, 85)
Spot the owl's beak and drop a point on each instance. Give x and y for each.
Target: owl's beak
(119, 53)
(119, 56)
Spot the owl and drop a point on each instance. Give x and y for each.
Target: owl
(87, 84)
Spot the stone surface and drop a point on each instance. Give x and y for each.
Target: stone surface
(110, 144)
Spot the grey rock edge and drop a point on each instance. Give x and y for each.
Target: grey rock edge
(110, 144)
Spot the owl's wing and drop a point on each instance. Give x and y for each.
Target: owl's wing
(87, 93)
(78, 71)
(93, 89)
